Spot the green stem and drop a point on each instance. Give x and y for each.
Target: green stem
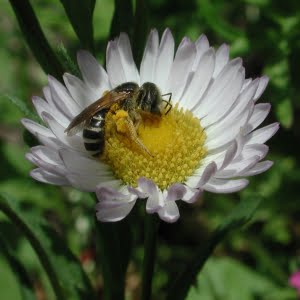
(35, 38)
(114, 244)
(122, 20)
(151, 227)
(141, 28)
(109, 253)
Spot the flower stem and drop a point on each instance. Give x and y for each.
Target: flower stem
(108, 244)
(151, 227)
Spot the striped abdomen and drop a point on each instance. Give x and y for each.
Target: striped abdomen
(93, 134)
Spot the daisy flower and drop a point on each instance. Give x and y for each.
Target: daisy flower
(208, 141)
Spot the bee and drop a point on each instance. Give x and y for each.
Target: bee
(129, 97)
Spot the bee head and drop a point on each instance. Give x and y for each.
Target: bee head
(149, 98)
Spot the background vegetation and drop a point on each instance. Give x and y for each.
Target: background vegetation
(252, 263)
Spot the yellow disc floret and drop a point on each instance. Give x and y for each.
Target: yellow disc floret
(174, 144)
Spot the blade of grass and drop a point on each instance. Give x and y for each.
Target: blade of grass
(35, 38)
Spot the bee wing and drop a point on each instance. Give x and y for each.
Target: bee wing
(105, 102)
(72, 130)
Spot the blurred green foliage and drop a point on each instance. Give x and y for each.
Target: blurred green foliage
(262, 256)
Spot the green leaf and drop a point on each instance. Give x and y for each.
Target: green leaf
(63, 269)
(213, 18)
(22, 106)
(218, 280)
(264, 258)
(26, 286)
(240, 215)
(28, 137)
(141, 28)
(284, 110)
(261, 3)
(35, 38)
(122, 20)
(68, 62)
(8, 281)
(80, 14)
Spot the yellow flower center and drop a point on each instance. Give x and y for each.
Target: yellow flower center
(165, 149)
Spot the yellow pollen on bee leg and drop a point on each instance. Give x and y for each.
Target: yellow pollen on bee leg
(120, 120)
(176, 142)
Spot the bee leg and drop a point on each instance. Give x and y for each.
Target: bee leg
(168, 102)
(134, 137)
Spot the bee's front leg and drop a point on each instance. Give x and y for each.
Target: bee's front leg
(132, 131)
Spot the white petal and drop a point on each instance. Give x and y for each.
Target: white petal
(42, 106)
(263, 82)
(53, 168)
(200, 80)
(114, 65)
(85, 173)
(51, 142)
(82, 94)
(202, 45)
(217, 138)
(183, 61)
(223, 82)
(150, 190)
(149, 58)
(216, 161)
(259, 168)
(169, 213)
(62, 99)
(120, 65)
(46, 154)
(202, 176)
(74, 142)
(260, 113)
(93, 74)
(229, 155)
(192, 195)
(129, 67)
(176, 192)
(164, 60)
(47, 95)
(47, 177)
(89, 183)
(76, 163)
(238, 169)
(260, 136)
(239, 106)
(222, 58)
(137, 192)
(223, 131)
(225, 186)
(260, 150)
(36, 128)
(113, 206)
(247, 83)
(224, 101)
